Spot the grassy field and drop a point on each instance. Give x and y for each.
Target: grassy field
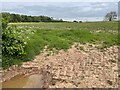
(60, 36)
(70, 25)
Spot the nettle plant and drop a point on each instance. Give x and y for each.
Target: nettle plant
(13, 41)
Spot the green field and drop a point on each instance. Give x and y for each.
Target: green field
(28, 39)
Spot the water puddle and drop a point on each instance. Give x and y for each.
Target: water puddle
(20, 81)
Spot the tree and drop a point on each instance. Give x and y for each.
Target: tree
(75, 21)
(25, 18)
(80, 21)
(110, 16)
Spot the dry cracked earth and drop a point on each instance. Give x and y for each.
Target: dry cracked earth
(81, 66)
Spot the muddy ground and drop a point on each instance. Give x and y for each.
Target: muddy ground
(81, 66)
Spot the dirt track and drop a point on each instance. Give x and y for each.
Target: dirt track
(82, 66)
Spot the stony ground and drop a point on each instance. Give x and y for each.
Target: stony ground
(81, 66)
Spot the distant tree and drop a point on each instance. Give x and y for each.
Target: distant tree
(110, 16)
(25, 18)
(75, 21)
(61, 20)
(80, 21)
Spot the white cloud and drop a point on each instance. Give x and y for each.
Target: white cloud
(87, 9)
(59, 1)
(61, 10)
(97, 9)
(104, 4)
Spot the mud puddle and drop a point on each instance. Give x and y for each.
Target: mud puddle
(21, 81)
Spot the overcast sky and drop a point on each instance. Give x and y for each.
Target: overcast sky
(59, 0)
(91, 11)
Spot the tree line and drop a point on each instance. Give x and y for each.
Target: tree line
(26, 18)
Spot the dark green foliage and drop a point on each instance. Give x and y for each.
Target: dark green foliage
(25, 18)
(8, 61)
(13, 43)
(5, 21)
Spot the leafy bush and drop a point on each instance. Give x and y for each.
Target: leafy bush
(14, 42)
(5, 22)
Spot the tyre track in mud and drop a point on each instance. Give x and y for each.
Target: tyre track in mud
(81, 66)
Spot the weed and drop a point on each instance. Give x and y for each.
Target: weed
(81, 48)
(109, 82)
(113, 61)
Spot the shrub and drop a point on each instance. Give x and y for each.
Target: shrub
(13, 42)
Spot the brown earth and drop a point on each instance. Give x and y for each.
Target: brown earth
(81, 66)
